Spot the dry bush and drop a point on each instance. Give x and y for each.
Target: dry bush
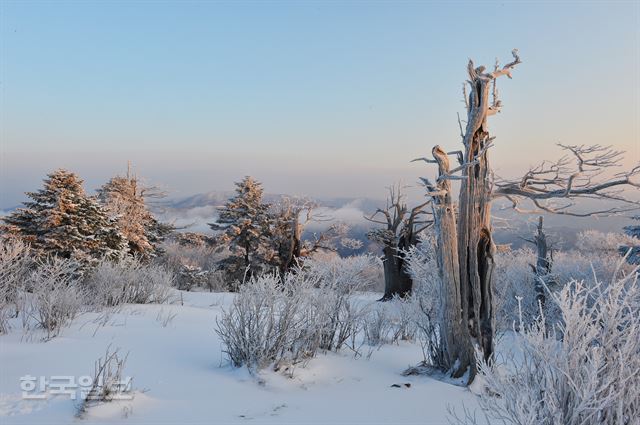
(55, 295)
(278, 320)
(337, 281)
(195, 265)
(514, 278)
(427, 301)
(15, 265)
(582, 265)
(580, 370)
(377, 326)
(594, 241)
(190, 277)
(391, 321)
(268, 323)
(129, 282)
(108, 382)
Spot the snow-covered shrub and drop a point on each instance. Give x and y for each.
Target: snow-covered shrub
(581, 265)
(192, 276)
(15, 264)
(360, 270)
(426, 298)
(514, 278)
(269, 322)
(594, 241)
(129, 282)
(274, 319)
(337, 281)
(376, 327)
(581, 370)
(177, 254)
(55, 295)
(403, 318)
(391, 321)
(194, 265)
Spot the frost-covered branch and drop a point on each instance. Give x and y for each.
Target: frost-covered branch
(569, 180)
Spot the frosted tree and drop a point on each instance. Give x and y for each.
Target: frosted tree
(400, 232)
(464, 231)
(632, 251)
(126, 200)
(245, 224)
(62, 220)
(289, 221)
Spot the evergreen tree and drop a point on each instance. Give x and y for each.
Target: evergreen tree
(634, 232)
(125, 200)
(245, 223)
(62, 220)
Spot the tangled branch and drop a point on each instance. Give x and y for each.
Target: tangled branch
(578, 174)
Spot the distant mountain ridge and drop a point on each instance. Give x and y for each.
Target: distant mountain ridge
(218, 198)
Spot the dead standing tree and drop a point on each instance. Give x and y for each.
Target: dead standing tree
(288, 229)
(290, 219)
(544, 261)
(401, 230)
(465, 244)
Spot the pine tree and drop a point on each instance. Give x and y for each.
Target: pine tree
(62, 220)
(245, 222)
(125, 200)
(634, 232)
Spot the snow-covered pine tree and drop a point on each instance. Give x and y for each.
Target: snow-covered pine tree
(245, 222)
(124, 199)
(634, 232)
(62, 220)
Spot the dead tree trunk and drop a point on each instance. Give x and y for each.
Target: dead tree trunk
(397, 282)
(465, 246)
(456, 344)
(467, 270)
(290, 250)
(542, 268)
(400, 233)
(543, 265)
(475, 242)
(290, 217)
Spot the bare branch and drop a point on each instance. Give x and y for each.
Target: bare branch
(559, 180)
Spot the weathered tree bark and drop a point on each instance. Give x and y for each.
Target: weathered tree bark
(475, 242)
(456, 344)
(467, 269)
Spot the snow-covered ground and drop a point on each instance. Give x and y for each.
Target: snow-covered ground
(180, 375)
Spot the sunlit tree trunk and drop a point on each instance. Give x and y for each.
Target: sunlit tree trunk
(475, 242)
(465, 242)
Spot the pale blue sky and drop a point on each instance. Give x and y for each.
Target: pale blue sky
(317, 98)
